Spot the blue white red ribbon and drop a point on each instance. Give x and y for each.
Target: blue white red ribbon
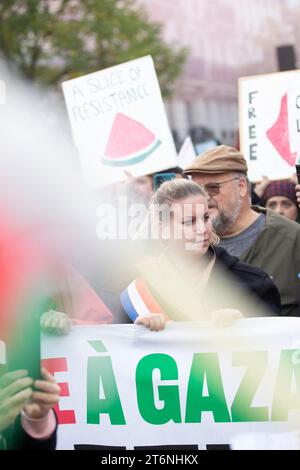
(137, 300)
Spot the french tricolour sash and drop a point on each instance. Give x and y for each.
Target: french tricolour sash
(137, 300)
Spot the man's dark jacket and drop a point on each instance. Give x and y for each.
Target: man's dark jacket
(277, 251)
(253, 279)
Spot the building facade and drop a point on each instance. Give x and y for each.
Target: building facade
(227, 39)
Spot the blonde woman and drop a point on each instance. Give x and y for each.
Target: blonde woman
(193, 279)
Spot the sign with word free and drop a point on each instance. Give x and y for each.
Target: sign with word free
(190, 386)
(119, 122)
(270, 123)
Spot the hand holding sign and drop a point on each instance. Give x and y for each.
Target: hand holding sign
(261, 186)
(15, 391)
(154, 321)
(44, 397)
(54, 322)
(225, 317)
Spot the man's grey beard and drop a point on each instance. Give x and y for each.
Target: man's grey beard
(223, 222)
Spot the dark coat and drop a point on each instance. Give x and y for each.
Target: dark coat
(277, 251)
(253, 279)
(242, 280)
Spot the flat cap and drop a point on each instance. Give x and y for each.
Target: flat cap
(219, 159)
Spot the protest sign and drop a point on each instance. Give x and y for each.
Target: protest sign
(119, 122)
(190, 385)
(186, 153)
(269, 107)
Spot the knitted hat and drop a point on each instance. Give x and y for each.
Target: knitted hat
(283, 188)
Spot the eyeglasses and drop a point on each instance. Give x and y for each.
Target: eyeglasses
(214, 188)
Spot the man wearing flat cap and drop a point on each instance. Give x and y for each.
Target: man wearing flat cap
(257, 236)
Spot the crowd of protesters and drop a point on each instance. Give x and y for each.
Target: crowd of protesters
(244, 245)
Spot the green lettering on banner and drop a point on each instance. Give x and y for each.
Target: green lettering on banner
(98, 346)
(256, 363)
(206, 365)
(284, 399)
(100, 368)
(169, 394)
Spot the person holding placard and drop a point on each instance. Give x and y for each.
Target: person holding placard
(257, 236)
(27, 420)
(141, 189)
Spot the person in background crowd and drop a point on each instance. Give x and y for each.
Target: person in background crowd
(27, 419)
(192, 279)
(258, 236)
(280, 196)
(74, 301)
(141, 188)
(257, 190)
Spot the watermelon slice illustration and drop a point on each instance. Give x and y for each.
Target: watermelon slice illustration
(129, 142)
(279, 136)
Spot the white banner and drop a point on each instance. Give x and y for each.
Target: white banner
(119, 122)
(189, 385)
(270, 123)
